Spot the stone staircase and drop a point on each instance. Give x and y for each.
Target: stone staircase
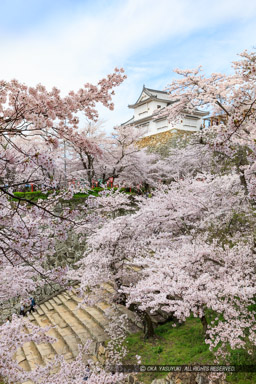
(73, 326)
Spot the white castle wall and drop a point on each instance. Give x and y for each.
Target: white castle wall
(148, 109)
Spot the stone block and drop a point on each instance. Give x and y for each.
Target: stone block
(160, 381)
(200, 379)
(101, 350)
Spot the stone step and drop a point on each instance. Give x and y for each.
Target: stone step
(39, 310)
(63, 295)
(43, 352)
(57, 300)
(109, 287)
(73, 325)
(100, 312)
(96, 314)
(60, 346)
(67, 334)
(30, 317)
(32, 355)
(80, 329)
(48, 305)
(103, 306)
(21, 359)
(80, 318)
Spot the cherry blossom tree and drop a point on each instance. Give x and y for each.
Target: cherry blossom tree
(34, 112)
(117, 157)
(187, 249)
(231, 99)
(18, 177)
(125, 162)
(182, 253)
(29, 228)
(85, 149)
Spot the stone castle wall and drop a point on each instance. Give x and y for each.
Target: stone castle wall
(161, 138)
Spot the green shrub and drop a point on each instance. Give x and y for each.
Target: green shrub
(32, 195)
(98, 189)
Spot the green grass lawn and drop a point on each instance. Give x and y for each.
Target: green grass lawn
(181, 345)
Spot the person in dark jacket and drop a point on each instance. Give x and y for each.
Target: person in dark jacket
(32, 305)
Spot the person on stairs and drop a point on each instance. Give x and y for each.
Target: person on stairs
(32, 304)
(87, 373)
(22, 310)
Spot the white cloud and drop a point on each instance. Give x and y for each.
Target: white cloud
(69, 51)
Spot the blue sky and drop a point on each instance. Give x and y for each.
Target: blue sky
(66, 43)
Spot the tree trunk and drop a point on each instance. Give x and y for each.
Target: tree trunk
(119, 297)
(146, 321)
(205, 325)
(148, 326)
(146, 188)
(243, 182)
(90, 170)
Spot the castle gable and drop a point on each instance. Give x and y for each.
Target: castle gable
(148, 95)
